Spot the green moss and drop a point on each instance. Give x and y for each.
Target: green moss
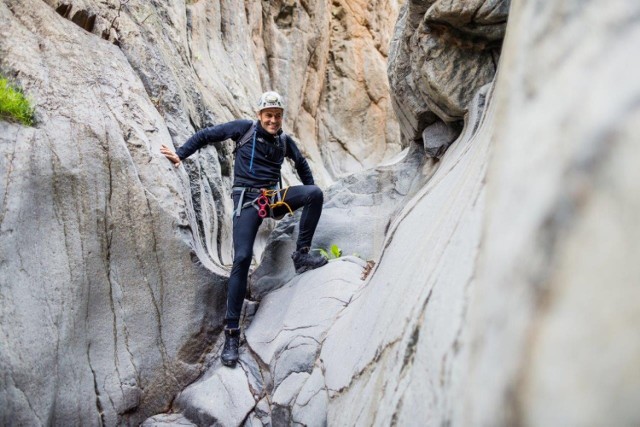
(14, 106)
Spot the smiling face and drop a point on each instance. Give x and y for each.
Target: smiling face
(271, 119)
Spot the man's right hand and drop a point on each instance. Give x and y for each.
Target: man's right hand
(171, 155)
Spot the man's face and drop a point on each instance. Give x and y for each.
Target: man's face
(271, 119)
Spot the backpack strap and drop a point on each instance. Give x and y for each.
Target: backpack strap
(247, 136)
(283, 139)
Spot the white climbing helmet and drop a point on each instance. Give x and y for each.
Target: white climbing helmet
(270, 100)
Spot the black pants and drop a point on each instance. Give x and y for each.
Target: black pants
(245, 228)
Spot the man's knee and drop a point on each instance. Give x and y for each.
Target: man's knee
(315, 195)
(242, 258)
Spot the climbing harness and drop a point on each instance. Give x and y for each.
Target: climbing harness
(267, 200)
(273, 199)
(269, 196)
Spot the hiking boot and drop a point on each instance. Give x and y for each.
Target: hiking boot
(229, 355)
(304, 260)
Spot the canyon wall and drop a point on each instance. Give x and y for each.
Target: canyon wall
(505, 290)
(113, 264)
(490, 273)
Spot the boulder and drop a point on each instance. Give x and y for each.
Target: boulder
(221, 397)
(442, 52)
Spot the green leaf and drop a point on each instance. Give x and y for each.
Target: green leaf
(336, 251)
(323, 253)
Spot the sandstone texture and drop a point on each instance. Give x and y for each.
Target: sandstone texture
(354, 130)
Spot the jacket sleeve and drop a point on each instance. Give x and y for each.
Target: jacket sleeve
(302, 167)
(231, 130)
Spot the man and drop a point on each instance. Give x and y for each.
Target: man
(260, 151)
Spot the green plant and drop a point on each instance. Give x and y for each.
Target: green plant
(335, 252)
(14, 106)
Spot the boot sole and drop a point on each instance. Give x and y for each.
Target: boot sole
(308, 267)
(230, 363)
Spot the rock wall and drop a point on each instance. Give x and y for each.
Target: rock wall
(356, 128)
(505, 292)
(104, 309)
(512, 304)
(503, 288)
(559, 238)
(112, 263)
(443, 52)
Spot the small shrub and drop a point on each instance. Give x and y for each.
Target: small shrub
(14, 106)
(335, 252)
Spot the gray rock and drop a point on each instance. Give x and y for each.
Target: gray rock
(284, 397)
(168, 420)
(412, 301)
(298, 356)
(105, 314)
(113, 262)
(500, 267)
(356, 215)
(287, 314)
(263, 412)
(441, 54)
(438, 137)
(311, 405)
(506, 321)
(276, 266)
(565, 326)
(484, 19)
(253, 421)
(256, 377)
(287, 392)
(222, 397)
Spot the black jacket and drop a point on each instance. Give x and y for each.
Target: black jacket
(268, 154)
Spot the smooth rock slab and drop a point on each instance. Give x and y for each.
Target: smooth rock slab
(415, 300)
(306, 307)
(168, 420)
